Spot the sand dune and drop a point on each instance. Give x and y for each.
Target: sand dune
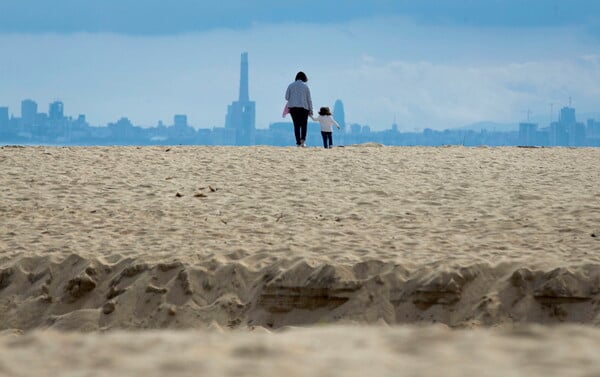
(110, 238)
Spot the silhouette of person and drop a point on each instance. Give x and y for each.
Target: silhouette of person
(300, 106)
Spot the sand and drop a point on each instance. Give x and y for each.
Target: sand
(118, 239)
(329, 351)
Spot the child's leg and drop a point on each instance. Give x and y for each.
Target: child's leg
(330, 138)
(324, 136)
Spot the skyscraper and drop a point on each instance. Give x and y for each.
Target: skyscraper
(3, 116)
(244, 92)
(567, 115)
(180, 120)
(567, 131)
(527, 132)
(340, 117)
(241, 114)
(56, 111)
(338, 114)
(28, 112)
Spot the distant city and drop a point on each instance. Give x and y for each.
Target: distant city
(55, 128)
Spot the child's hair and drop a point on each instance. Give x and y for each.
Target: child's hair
(324, 111)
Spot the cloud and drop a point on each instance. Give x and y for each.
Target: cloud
(422, 94)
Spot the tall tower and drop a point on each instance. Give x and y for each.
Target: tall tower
(338, 113)
(241, 114)
(340, 117)
(244, 96)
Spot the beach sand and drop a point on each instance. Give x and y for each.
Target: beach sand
(430, 351)
(240, 243)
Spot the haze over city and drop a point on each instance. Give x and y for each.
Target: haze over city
(430, 64)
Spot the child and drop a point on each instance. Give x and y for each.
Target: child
(326, 121)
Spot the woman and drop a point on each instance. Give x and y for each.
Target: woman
(300, 106)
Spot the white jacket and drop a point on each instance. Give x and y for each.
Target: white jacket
(326, 121)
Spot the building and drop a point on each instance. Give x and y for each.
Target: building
(577, 134)
(592, 133)
(3, 116)
(527, 134)
(567, 131)
(180, 120)
(339, 115)
(593, 126)
(28, 112)
(241, 114)
(567, 115)
(559, 131)
(56, 111)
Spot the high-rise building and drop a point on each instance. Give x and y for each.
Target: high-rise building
(56, 111)
(241, 114)
(244, 95)
(3, 116)
(567, 131)
(559, 131)
(28, 112)
(180, 120)
(593, 128)
(340, 117)
(577, 134)
(567, 116)
(338, 114)
(527, 133)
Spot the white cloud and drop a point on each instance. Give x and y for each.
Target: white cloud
(422, 94)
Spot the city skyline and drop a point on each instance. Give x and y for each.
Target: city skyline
(57, 107)
(56, 128)
(424, 65)
(240, 126)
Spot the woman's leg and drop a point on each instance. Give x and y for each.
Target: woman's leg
(296, 120)
(304, 125)
(300, 119)
(297, 134)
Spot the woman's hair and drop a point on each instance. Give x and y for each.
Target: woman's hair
(301, 76)
(324, 111)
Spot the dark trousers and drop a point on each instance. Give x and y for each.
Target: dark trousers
(300, 119)
(327, 139)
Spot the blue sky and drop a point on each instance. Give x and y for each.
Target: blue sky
(426, 63)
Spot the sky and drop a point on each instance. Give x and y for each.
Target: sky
(422, 64)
